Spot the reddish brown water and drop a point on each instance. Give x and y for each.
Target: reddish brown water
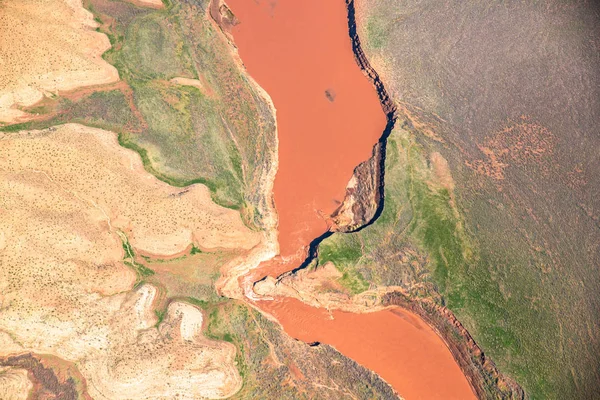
(394, 343)
(329, 118)
(328, 113)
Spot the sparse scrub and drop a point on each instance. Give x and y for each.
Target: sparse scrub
(273, 365)
(129, 259)
(216, 136)
(430, 223)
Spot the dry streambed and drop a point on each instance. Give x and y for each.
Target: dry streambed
(69, 195)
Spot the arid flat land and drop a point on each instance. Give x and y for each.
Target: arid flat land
(46, 47)
(74, 204)
(14, 384)
(508, 94)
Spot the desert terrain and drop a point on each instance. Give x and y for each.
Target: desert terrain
(14, 384)
(111, 254)
(277, 199)
(72, 293)
(68, 56)
(507, 93)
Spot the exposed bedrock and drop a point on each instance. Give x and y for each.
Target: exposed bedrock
(363, 201)
(363, 195)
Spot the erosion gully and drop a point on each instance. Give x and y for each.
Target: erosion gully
(329, 117)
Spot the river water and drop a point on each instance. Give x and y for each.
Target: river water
(329, 118)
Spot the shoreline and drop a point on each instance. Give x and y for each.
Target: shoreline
(377, 158)
(478, 373)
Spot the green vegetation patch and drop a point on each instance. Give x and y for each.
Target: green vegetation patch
(195, 250)
(142, 271)
(153, 49)
(420, 239)
(211, 135)
(220, 134)
(104, 109)
(376, 32)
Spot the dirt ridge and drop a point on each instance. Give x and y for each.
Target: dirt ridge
(365, 168)
(47, 381)
(378, 156)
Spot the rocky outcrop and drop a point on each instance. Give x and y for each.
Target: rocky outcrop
(389, 108)
(47, 382)
(364, 194)
(223, 16)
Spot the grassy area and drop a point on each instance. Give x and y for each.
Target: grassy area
(129, 259)
(185, 139)
(420, 238)
(219, 135)
(210, 135)
(105, 109)
(195, 250)
(190, 278)
(153, 49)
(344, 255)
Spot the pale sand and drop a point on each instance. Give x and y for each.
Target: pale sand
(187, 82)
(14, 384)
(90, 164)
(148, 3)
(67, 195)
(47, 46)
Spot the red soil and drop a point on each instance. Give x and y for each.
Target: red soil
(329, 118)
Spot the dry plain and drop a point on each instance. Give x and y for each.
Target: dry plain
(46, 47)
(73, 203)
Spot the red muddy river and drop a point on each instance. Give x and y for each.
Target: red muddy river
(329, 118)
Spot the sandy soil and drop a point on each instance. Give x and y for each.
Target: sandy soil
(188, 82)
(148, 3)
(14, 384)
(68, 192)
(90, 165)
(58, 50)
